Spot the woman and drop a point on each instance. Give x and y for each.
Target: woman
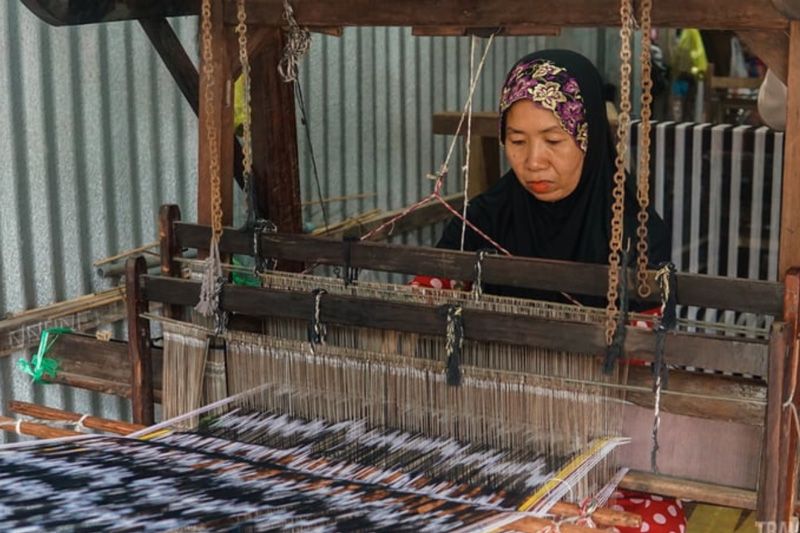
(555, 202)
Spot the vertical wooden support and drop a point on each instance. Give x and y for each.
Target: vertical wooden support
(484, 164)
(787, 487)
(222, 111)
(139, 344)
(768, 493)
(168, 245)
(275, 136)
(790, 214)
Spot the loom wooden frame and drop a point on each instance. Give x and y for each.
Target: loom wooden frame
(770, 28)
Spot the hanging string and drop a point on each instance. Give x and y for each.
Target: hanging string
(454, 336)
(297, 45)
(41, 365)
(213, 279)
(665, 276)
(439, 176)
(468, 141)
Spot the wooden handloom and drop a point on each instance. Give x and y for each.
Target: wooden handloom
(771, 29)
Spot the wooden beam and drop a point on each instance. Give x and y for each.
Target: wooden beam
(788, 8)
(220, 115)
(75, 12)
(170, 250)
(790, 214)
(175, 58)
(90, 422)
(139, 345)
(771, 47)
(484, 123)
(24, 329)
(710, 14)
(35, 430)
(753, 296)
(506, 31)
(275, 136)
(685, 349)
(689, 489)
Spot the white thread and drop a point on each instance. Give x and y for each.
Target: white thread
(79, 424)
(468, 142)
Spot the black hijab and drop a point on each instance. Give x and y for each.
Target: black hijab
(575, 228)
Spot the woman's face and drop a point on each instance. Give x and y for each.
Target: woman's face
(545, 158)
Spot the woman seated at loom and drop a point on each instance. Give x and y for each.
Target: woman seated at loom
(555, 202)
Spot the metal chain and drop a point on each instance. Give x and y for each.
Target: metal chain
(247, 145)
(210, 121)
(618, 207)
(643, 189)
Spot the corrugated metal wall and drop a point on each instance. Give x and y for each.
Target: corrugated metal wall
(97, 137)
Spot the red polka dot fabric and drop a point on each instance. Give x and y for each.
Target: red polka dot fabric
(433, 282)
(659, 514)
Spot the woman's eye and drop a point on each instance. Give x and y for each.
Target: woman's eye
(554, 141)
(517, 142)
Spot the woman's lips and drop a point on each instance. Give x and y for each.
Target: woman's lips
(540, 186)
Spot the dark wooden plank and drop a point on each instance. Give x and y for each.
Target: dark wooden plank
(730, 355)
(790, 214)
(712, 14)
(727, 398)
(689, 489)
(101, 366)
(275, 134)
(175, 58)
(139, 344)
(574, 278)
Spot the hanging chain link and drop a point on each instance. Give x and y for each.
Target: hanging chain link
(210, 121)
(247, 145)
(643, 189)
(618, 207)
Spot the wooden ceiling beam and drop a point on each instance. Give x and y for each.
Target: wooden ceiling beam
(709, 14)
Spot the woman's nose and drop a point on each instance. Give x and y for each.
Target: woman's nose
(535, 159)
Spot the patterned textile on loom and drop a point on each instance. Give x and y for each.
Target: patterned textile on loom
(312, 476)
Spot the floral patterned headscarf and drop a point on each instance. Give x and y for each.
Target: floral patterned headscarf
(551, 87)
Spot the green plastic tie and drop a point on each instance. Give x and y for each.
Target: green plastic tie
(40, 364)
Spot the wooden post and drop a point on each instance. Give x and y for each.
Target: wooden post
(139, 344)
(790, 214)
(768, 491)
(221, 114)
(275, 157)
(168, 246)
(787, 487)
